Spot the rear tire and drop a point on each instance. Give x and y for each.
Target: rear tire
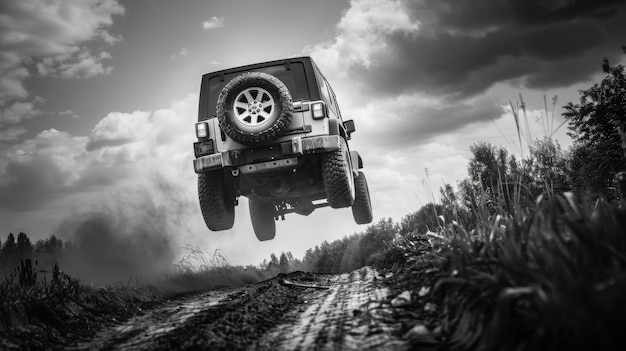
(362, 207)
(338, 177)
(262, 217)
(217, 202)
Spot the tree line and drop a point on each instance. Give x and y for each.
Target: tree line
(45, 251)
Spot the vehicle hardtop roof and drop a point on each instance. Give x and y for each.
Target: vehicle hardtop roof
(250, 67)
(306, 72)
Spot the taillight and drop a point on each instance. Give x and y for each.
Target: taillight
(202, 130)
(319, 110)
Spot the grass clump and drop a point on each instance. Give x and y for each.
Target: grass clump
(41, 313)
(547, 281)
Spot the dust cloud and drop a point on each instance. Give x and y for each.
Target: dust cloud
(131, 236)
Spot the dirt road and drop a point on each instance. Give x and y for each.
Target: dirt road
(298, 311)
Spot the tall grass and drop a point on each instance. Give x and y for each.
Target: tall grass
(549, 281)
(548, 275)
(47, 309)
(199, 270)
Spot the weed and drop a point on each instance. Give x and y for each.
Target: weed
(547, 281)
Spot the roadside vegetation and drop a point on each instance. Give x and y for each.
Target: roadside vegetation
(522, 254)
(529, 254)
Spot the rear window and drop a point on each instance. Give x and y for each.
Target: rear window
(294, 79)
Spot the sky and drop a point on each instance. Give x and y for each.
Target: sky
(98, 101)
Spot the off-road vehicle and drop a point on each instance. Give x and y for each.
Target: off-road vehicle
(273, 132)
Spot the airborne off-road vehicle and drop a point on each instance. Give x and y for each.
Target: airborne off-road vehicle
(272, 132)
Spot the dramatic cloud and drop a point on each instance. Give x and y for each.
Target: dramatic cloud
(53, 35)
(213, 22)
(123, 148)
(461, 48)
(411, 70)
(39, 169)
(361, 34)
(410, 120)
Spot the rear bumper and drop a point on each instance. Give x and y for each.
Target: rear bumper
(296, 147)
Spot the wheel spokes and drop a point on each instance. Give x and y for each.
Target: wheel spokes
(244, 115)
(264, 114)
(253, 106)
(248, 96)
(259, 95)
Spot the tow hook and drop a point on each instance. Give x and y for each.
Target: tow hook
(235, 172)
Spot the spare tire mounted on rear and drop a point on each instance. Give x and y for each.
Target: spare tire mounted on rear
(254, 108)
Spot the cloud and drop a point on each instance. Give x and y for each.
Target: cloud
(213, 22)
(85, 65)
(109, 38)
(362, 31)
(68, 112)
(11, 134)
(409, 120)
(81, 64)
(52, 36)
(12, 75)
(462, 48)
(182, 52)
(33, 172)
(118, 126)
(17, 112)
(122, 148)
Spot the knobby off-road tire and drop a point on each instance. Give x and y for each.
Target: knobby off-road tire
(254, 107)
(217, 203)
(338, 177)
(362, 207)
(262, 217)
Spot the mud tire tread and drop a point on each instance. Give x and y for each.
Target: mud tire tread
(336, 171)
(362, 207)
(262, 218)
(216, 204)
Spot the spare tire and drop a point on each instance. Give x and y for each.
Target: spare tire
(254, 107)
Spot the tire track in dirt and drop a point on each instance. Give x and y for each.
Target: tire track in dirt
(348, 316)
(143, 331)
(296, 311)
